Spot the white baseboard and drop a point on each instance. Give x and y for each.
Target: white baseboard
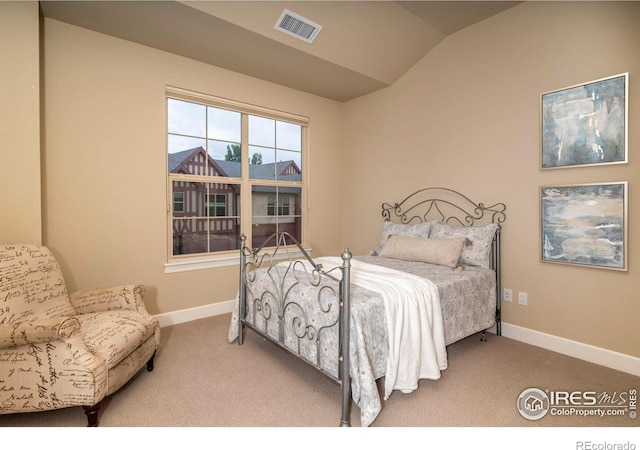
(586, 352)
(198, 312)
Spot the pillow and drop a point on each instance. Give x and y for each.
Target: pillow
(444, 252)
(477, 248)
(403, 229)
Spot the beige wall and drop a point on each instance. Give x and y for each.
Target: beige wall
(19, 123)
(105, 162)
(467, 117)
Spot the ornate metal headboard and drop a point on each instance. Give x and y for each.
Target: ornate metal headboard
(444, 205)
(452, 207)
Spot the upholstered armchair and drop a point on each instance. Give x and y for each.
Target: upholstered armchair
(59, 350)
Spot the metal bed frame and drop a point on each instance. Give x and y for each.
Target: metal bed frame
(453, 207)
(279, 308)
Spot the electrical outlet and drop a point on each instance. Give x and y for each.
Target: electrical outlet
(508, 295)
(522, 298)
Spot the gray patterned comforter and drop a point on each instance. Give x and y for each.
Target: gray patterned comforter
(467, 295)
(309, 314)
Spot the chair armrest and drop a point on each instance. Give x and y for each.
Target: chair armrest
(38, 331)
(118, 297)
(53, 366)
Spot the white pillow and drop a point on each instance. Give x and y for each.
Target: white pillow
(444, 252)
(477, 249)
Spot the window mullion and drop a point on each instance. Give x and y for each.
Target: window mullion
(207, 183)
(246, 215)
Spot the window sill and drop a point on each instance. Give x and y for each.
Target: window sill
(221, 261)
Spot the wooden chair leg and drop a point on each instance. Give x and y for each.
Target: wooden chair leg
(150, 362)
(92, 414)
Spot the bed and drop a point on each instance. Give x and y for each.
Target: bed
(386, 316)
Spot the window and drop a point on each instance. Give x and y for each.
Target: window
(216, 205)
(232, 169)
(283, 206)
(178, 202)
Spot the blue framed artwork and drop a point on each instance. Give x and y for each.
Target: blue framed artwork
(585, 124)
(585, 224)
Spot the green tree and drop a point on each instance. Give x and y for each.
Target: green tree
(256, 159)
(234, 153)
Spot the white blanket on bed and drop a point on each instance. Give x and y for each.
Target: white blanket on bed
(414, 320)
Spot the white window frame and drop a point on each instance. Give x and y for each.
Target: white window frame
(181, 263)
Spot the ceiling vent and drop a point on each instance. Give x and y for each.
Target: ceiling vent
(297, 26)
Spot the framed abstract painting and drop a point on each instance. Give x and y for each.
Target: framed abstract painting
(585, 124)
(585, 225)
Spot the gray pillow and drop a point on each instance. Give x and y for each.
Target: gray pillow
(477, 247)
(402, 229)
(444, 252)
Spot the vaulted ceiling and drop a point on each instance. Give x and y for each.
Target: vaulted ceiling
(363, 46)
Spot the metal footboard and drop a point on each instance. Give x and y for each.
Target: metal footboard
(271, 279)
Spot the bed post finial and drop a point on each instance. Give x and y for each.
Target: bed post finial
(346, 256)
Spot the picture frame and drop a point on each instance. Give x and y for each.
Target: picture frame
(585, 225)
(585, 124)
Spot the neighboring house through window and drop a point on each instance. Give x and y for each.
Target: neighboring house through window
(279, 207)
(232, 169)
(178, 202)
(216, 205)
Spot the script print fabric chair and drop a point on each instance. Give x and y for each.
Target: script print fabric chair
(59, 350)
